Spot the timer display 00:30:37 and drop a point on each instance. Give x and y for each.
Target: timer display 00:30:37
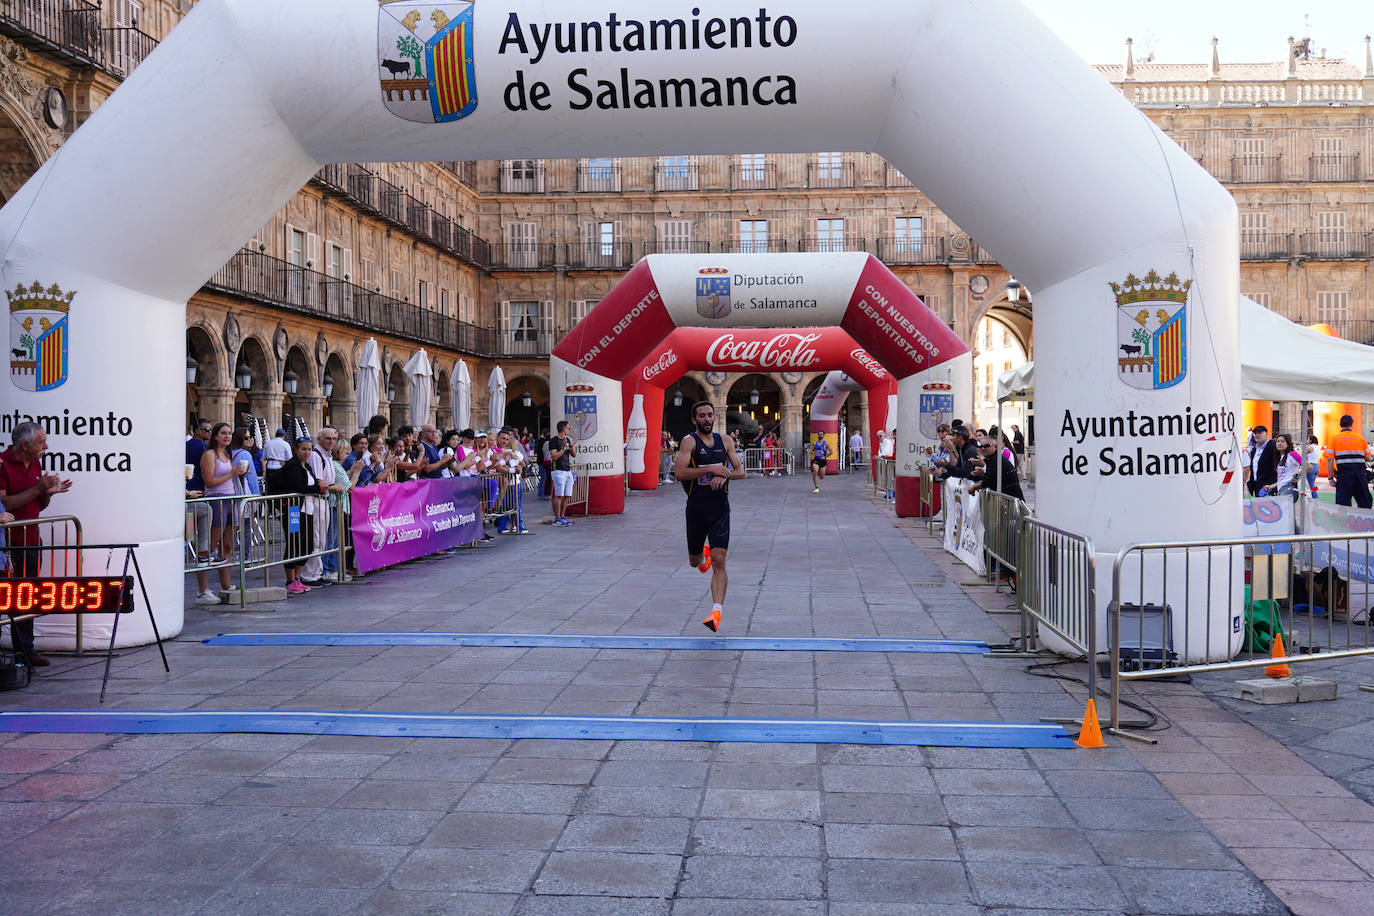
(66, 595)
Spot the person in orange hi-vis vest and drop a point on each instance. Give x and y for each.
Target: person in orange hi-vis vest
(1349, 451)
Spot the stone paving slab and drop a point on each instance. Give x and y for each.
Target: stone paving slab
(293, 823)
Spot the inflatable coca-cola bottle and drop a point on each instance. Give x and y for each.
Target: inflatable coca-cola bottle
(636, 437)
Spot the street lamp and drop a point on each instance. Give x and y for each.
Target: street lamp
(328, 385)
(390, 392)
(525, 399)
(754, 397)
(289, 382)
(1013, 289)
(677, 398)
(243, 376)
(192, 367)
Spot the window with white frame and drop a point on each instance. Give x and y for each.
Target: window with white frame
(753, 168)
(1330, 234)
(830, 235)
(1254, 234)
(1333, 307)
(524, 322)
(753, 236)
(676, 173)
(422, 294)
(522, 244)
(600, 175)
(829, 168)
(675, 236)
(444, 303)
(578, 309)
(1260, 299)
(907, 235)
(522, 176)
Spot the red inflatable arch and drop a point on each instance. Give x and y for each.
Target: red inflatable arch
(768, 306)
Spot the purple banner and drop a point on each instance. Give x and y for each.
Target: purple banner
(395, 522)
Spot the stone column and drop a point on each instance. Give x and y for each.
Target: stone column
(266, 404)
(791, 411)
(344, 414)
(310, 408)
(217, 404)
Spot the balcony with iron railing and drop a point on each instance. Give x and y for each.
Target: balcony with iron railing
(830, 174)
(1255, 169)
(893, 178)
(67, 28)
(386, 201)
(526, 343)
(598, 177)
(676, 177)
(465, 169)
(753, 246)
(125, 48)
(674, 246)
(906, 250)
(1265, 246)
(1335, 245)
(829, 243)
(522, 177)
(525, 256)
(262, 278)
(761, 177)
(596, 254)
(1333, 167)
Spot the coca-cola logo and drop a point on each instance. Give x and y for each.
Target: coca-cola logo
(665, 359)
(872, 365)
(784, 351)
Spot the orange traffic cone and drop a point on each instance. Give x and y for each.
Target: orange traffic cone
(1090, 735)
(1278, 652)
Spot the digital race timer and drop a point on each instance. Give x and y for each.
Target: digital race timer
(67, 595)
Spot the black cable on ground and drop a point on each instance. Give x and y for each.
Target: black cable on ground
(1154, 718)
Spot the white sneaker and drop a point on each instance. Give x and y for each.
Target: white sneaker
(207, 597)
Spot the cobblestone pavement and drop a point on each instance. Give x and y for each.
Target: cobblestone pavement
(1217, 818)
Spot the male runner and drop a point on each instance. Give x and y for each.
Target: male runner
(820, 457)
(706, 463)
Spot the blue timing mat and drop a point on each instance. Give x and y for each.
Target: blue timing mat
(604, 728)
(533, 640)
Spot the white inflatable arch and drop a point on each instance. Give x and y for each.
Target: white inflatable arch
(748, 313)
(231, 115)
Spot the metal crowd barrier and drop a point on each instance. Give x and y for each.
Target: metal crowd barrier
(885, 478)
(262, 537)
(1002, 517)
(1056, 588)
(60, 533)
(500, 496)
(865, 456)
(928, 484)
(1188, 601)
(767, 461)
(577, 503)
(198, 554)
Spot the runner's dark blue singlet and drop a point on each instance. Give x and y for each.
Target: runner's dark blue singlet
(708, 510)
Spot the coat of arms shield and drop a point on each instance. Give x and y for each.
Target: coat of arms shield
(38, 336)
(1152, 330)
(580, 410)
(713, 292)
(425, 59)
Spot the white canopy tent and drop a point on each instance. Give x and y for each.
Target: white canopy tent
(369, 382)
(460, 385)
(496, 404)
(1279, 361)
(418, 370)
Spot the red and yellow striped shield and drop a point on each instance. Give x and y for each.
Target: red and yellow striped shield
(453, 93)
(1171, 351)
(51, 350)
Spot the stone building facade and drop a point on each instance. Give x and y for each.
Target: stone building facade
(490, 263)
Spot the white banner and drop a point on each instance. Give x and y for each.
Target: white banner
(1338, 522)
(964, 524)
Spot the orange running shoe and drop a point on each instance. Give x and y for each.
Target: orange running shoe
(712, 622)
(705, 559)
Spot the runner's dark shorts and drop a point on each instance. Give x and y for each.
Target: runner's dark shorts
(707, 523)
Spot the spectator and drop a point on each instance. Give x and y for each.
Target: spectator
(25, 491)
(222, 478)
(1349, 452)
(1314, 460)
(856, 450)
(198, 513)
(357, 451)
(511, 462)
(277, 452)
(1288, 466)
(340, 520)
(321, 461)
(1018, 442)
(770, 456)
(408, 462)
(377, 426)
(296, 477)
(987, 477)
(887, 445)
(430, 462)
(562, 447)
(965, 459)
(241, 449)
(1261, 462)
(545, 466)
(377, 465)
